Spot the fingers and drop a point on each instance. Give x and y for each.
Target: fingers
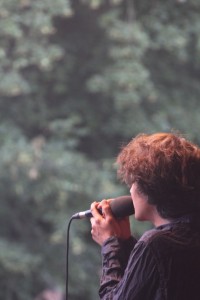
(106, 210)
(100, 223)
(96, 221)
(95, 210)
(100, 208)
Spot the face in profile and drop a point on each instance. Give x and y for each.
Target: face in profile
(143, 210)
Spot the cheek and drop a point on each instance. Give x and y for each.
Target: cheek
(140, 209)
(136, 204)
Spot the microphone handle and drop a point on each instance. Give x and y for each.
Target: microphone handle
(83, 214)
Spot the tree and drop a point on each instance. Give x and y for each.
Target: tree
(79, 78)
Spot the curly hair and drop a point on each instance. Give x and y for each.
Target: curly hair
(166, 168)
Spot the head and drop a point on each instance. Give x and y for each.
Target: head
(166, 168)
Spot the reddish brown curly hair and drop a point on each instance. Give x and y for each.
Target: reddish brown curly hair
(166, 167)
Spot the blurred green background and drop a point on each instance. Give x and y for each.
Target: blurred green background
(78, 79)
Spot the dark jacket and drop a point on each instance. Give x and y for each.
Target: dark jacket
(163, 265)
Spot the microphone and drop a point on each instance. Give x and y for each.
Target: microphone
(121, 207)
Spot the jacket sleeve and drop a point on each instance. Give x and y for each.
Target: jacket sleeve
(129, 271)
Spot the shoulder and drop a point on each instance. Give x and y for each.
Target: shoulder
(170, 236)
(158, 237)
(154, 234)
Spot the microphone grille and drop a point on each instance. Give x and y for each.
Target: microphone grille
(122, 206)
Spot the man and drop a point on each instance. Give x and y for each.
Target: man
(163, 173)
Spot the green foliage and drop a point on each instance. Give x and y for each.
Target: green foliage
(78, 79)
(25, 28)
(47, 184)
(15, 259)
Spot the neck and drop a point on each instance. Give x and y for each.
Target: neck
(157, 220)
(160, 222)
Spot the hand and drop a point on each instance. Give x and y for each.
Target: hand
(106, 225)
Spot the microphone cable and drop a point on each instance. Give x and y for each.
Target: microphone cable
(67, 259)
